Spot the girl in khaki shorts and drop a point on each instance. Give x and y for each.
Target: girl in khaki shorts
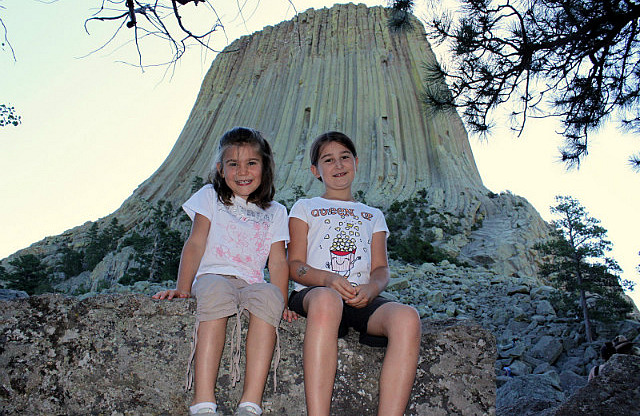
(236, 227)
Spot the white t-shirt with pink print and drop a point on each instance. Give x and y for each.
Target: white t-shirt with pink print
(240, 236)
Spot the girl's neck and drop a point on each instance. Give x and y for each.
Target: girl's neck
(339, 195)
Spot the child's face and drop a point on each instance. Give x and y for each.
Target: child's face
(241, 169)
(336, 166)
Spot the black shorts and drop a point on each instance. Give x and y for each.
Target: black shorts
(356, 318)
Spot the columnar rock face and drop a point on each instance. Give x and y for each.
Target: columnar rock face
(127, 355)
(330, 69)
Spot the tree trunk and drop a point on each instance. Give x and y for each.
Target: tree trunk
(583, 303)
(585, 316)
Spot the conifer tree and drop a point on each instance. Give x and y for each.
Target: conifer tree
(30, 275)
(577, 263)
(102, 242)
(574, 60)
(157, 246)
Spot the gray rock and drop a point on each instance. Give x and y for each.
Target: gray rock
(519, 314)
(399, 283)
(541, 292)
(532, 361)
(516, 351)
(126, 355)
(435, 298)
(543, 368)
(572, 341)
(520, 368)
(547, 349)
(544, 308)
(9, 294)
(575, 364)
(571, 382)
(523, 289)
(614, 392)
(528, 395)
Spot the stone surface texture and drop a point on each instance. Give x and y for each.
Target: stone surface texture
(614, 392)
(127, 354)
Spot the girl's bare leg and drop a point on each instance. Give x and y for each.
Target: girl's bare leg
(401, 325)
(261, 338)
(211, 339)
(324, 312)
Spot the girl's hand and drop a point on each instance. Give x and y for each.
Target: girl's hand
(289, 315)
(340, 285)
(364, 295)
(170, 294)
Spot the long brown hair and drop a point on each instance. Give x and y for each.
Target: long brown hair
(239, 136)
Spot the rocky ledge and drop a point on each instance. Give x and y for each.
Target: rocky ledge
(126, 355)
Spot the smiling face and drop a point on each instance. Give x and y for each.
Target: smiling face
(241, 169)
(336, 168)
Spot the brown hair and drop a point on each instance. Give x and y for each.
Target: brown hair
(328, 137)
(240, 136)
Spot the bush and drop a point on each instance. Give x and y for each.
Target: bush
(410, 239)
(29, 275)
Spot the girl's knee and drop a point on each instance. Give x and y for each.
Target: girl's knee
(323, 302)
(405, 322)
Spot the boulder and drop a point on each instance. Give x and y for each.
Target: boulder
(571, 381)
(127, 354)
(614, 392)
(529, 395)
(548, 349)
(9, 294)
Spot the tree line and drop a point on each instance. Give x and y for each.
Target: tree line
(156, 254)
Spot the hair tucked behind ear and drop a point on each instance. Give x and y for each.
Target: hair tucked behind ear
(244, 136)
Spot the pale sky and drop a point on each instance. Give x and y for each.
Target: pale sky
(94, 128)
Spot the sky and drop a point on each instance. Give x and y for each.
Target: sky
(94, 126)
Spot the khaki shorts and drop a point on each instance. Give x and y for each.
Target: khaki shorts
(221, 296)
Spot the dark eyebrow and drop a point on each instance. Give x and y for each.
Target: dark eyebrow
(339, 154)
(235, 160)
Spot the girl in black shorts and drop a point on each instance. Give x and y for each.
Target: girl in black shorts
(338, 259)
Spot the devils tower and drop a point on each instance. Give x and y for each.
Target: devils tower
(342, 69)
(331, 69)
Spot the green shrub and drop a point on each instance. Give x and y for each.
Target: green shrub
(29, 275)
(410, 237)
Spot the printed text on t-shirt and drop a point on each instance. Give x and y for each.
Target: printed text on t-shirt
(343, 212)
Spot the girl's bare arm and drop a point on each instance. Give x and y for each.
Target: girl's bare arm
(301, 272)
(189, 260)
(379, 277)
(279, 273)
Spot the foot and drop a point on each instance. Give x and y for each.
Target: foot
(247, 411)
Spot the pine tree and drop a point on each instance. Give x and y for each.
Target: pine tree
(574, 60)
(157, 247)
(71, 261)
(101, 243)
(29, 275)
(578, 265)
